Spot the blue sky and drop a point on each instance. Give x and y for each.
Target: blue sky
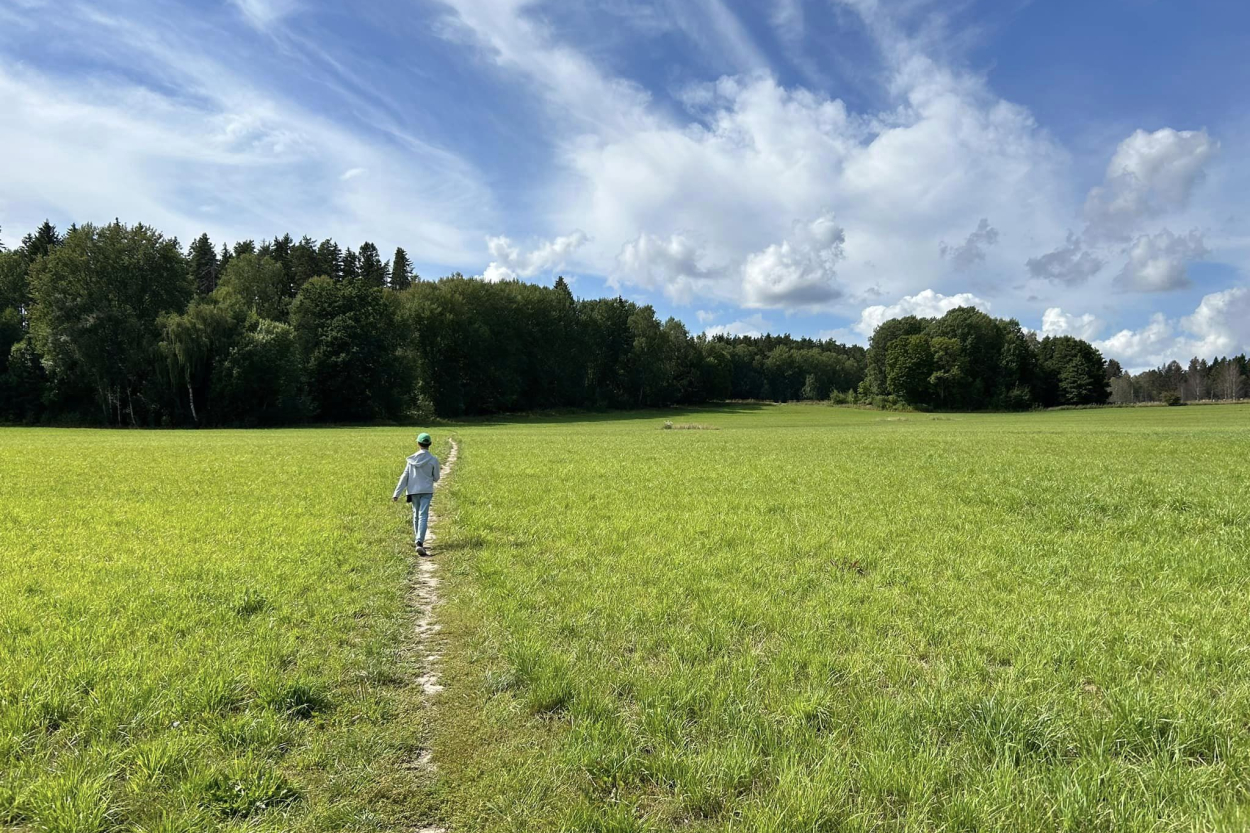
(809, 166)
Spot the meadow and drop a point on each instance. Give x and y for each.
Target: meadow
(792, 618)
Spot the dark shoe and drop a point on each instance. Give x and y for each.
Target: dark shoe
(422, 551)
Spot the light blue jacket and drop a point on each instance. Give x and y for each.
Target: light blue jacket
(420, 475)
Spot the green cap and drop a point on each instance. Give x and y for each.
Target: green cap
(423, 439)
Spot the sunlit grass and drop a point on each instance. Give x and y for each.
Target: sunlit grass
(202, 631)
(824, 619)
(805, 619)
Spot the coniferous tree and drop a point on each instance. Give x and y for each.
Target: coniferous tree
(350, 268)
(401, 271)
(224, 260)
(202, 264)
(305, 264)
(372, 269)
(42, 242)
(330, 259)
(245, 247)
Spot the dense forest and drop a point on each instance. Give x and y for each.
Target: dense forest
(117, 324)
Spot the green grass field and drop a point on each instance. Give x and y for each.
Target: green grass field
(806, 619)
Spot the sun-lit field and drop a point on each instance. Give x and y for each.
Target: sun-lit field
(204, 631)
(820, 619)
(791, 618)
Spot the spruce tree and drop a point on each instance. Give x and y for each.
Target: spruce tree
(41, 243)
(224, 260)
(330, 259)
(372, 270)
(202, 263)
(401, 271)
(350, 269)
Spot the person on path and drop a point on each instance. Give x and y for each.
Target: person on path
(420, 474)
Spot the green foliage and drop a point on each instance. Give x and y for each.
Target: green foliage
(344, 331)
(97, 299)
(259, 284)
(908, 367)
(203, 265)
(373, 271)
(261, 378)
(967, 360)
(402, 274)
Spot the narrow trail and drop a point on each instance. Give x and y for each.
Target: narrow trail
(425, 599)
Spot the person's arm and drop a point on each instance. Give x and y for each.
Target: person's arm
(403, 479)
(437, 470)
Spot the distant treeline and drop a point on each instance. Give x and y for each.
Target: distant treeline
(1221, 380)
(116, 324)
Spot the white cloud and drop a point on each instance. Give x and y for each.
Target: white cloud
(673, 264)
(972, 252)
(1157, 263)
(352, 173)
(1149, 175)
(753, 326)
(1055, 322)
(263, 13)
(1221, 323)
(799, 271)
(1070, 264)
(510, 262)
(1220, 326)
(210, 150)
(926, 304)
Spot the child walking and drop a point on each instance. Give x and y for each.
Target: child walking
(417, 481)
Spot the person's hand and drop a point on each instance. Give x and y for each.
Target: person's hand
(394, 500)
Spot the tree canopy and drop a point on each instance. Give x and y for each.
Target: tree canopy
(119, 324)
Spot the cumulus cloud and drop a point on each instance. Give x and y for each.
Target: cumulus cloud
(1149, 175)
(1220, 326)
(753, 326)
(673, 265)
(510, 262)
(1055, 322)
(798, 272)
(972, 251)
(1071, 264)
(1157, 262)
(926, 304)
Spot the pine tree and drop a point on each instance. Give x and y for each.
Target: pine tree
(224, 260)
(351, 266)
(42, 242)
(305, 265)
(401, 271)
(372, 270)
(280, 250)
(562, 287)
(202, 264)
(245, 247)
(330, 258)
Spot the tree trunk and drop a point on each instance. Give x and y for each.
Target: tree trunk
(191, 399)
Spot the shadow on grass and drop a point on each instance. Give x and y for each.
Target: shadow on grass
(582, 416)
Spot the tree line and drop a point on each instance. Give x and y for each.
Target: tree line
(1223, 379)
(967, 360)
(117, 324)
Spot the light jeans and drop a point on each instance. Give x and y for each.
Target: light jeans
(420, 516)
